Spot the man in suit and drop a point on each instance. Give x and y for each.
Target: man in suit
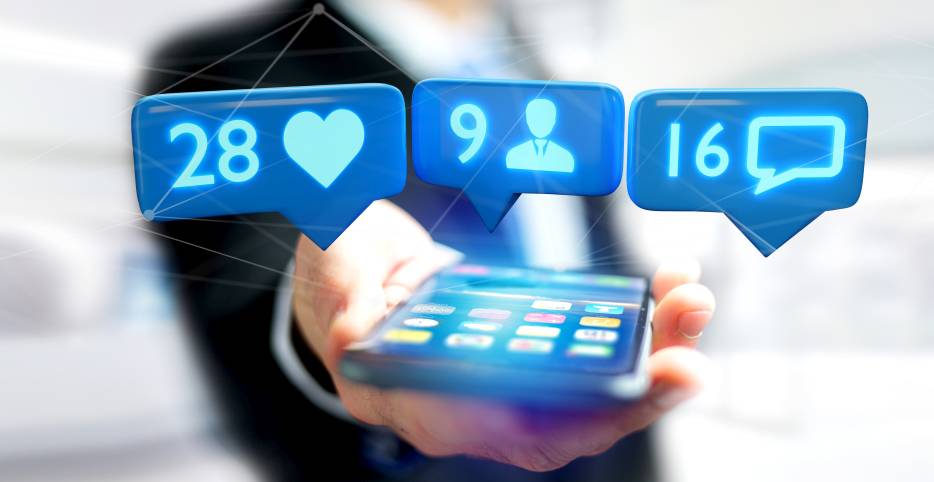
(540, 153)
(377, 262)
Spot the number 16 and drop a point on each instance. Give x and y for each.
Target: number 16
(188, 178)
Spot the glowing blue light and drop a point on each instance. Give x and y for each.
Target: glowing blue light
(674, 149)
(324, 148)
(477, 134)
(231, 150)
(768, 179)
(188, 178)
(540, 153)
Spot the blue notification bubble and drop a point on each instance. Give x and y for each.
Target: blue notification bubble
(771, 160)
(498, 139)
(318, 155)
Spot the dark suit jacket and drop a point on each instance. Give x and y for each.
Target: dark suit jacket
(229, 302)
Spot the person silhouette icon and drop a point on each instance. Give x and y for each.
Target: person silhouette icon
(540, 154)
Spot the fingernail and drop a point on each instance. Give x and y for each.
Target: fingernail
(668, 398)
(691, 324)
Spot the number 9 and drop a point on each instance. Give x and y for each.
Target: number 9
(477, 134)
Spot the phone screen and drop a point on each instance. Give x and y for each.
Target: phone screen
(520, 317)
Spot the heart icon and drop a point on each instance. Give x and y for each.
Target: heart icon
(323, 147)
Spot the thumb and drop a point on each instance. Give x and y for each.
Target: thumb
(365, 305)
(372, 297)
(403, 282)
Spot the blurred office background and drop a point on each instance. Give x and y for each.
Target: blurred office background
(823, 352)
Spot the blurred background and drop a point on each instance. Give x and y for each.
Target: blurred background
(823, 351)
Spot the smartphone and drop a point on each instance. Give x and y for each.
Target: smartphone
(528, 336)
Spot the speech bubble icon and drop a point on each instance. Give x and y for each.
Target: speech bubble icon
(317, 155)
(771, 160)
(497, 139)
(770, 178)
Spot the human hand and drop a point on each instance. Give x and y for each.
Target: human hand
(341, 293)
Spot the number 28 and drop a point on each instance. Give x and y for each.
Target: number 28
(188, 178)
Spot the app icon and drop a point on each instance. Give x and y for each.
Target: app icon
(614, 281)
(604, 309)
(413, 337)
(489, 313)
(469, 340)
(497, 139)
(771, 160)
(551, 305)
(599, 351)
(433, 309)
(480, 326)
(602, 336)
(538, 331)
(568, 278)
(552, 318)
(420, 323)
(600, 322)
(528, 345)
